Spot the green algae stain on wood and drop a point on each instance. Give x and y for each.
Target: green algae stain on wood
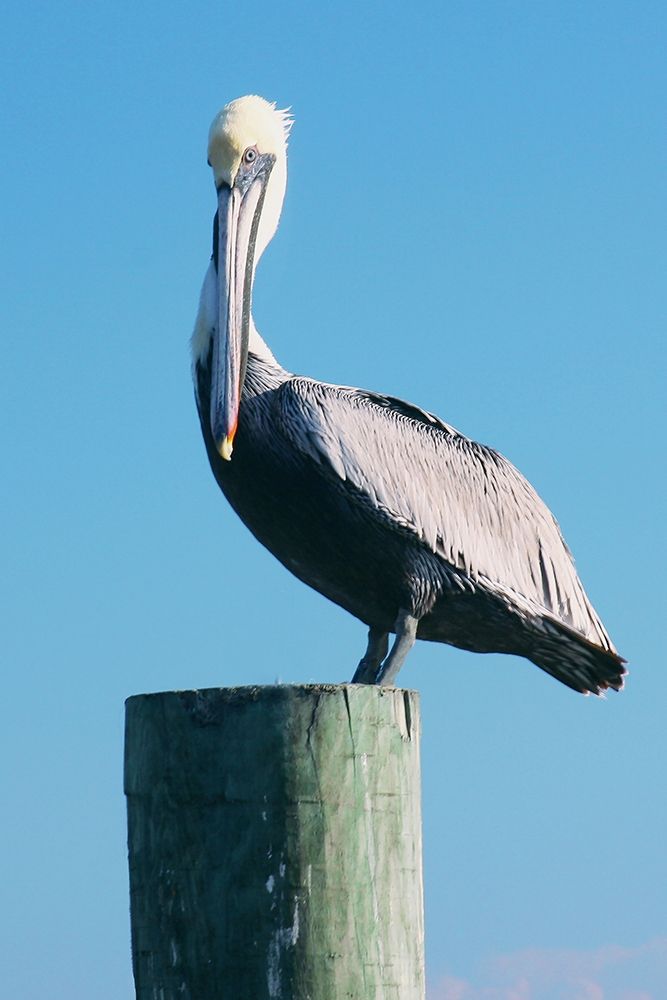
(275, 844)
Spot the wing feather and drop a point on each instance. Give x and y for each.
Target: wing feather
(465, 501)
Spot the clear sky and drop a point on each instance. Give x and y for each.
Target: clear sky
(475, 221)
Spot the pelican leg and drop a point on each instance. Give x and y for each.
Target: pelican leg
(406, 633)
(378, 644)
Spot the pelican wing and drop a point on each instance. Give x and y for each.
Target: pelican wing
(463, 500)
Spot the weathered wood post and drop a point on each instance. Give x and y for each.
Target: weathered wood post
(275, 844)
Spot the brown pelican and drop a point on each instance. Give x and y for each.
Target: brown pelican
(377, 504)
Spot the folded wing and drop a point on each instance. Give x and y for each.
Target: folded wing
(463, 500)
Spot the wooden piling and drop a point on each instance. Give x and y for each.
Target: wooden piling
(275, 844)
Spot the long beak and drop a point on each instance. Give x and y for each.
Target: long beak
(239, 210)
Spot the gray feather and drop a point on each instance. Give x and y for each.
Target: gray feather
(463, 500)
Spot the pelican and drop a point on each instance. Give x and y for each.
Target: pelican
(377, 504)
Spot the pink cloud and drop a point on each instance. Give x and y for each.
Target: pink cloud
(451, 988)
(612, 972)
(552, 963)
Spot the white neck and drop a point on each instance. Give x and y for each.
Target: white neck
(258, 347)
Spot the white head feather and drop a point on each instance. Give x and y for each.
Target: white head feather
(252, 121)
(247, 121)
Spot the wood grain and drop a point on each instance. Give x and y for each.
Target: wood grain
(275, 844)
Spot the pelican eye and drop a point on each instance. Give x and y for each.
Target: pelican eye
(250, 155)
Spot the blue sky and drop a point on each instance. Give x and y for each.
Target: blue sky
(475, 220)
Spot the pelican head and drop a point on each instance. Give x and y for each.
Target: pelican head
(247, 151)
